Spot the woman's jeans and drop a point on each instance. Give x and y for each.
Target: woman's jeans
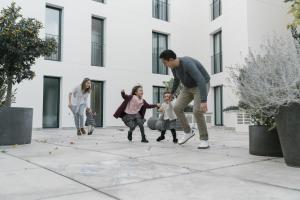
(78, 112)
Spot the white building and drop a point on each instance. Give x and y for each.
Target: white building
(116, 44)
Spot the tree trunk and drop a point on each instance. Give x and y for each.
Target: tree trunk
(8, 97)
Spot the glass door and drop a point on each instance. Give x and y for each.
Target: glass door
(218, 105)
(51, 102)
(97, 102)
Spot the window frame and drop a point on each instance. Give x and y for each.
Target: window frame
(215, 15)
(217, 55)
(157, 59)
(59, 46)
(101, 44)
(156, 6)
(161, 90)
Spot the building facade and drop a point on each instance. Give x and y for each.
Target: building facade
(117, 45)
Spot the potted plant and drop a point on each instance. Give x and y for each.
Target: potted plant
(270, 85)
(20, 45)
(263, 136)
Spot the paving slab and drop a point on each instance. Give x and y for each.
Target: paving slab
(35, 184)
(117, 172)
(59, 165)
(201, 186)
(8, 164)
(200, 160)
(272, 173)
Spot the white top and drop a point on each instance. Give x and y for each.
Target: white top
(168, 111)
(79, 98)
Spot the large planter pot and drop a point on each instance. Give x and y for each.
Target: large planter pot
(16, 125)
(288, 126)
(263, 142)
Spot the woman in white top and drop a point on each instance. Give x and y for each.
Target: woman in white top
(79, 101)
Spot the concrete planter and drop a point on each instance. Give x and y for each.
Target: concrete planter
(263, 142)
(289, 133)
(16, 125)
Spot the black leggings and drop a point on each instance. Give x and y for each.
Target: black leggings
(142, 129)
(173, 133)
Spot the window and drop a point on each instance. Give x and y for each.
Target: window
(216, 9)
(217, 63)
(159, 44)
(51, 102)
(97, 102)
(157, 97)
(53, 30)
(160, 9)
(218, 93)
(97, 42)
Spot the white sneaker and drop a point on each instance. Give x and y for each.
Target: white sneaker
(186, 137)
(203, 144)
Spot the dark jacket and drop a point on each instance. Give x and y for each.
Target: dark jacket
(120, 113)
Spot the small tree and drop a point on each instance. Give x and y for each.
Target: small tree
(20, 46)
(295, 11)
(169, 86)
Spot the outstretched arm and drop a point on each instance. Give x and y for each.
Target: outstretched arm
(123, 94)
(149, 106)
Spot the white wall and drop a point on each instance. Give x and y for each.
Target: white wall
(128, 46)
(128, 49)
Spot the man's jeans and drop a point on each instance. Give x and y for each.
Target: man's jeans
(186, 96)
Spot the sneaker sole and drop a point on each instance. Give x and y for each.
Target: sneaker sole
(186, 140)
(203, 147)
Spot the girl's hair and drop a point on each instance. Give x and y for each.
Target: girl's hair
(85, 90)
(166, 92)
(135, 89)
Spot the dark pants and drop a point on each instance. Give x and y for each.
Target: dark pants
(173, 131)
(132, 121)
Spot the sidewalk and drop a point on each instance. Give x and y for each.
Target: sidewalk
(60, 166)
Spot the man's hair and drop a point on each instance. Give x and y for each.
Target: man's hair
(168, 54)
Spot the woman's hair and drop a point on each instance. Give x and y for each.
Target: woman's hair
(85, 90)
(135, 89)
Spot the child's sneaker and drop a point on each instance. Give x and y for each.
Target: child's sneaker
(160, 138)
(83, 131)
(144, 140)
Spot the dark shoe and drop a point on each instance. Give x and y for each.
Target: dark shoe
(160, 138)
(175, 140)
(90, 133)
(78, 132)
(144, 140)
(129, 136)
(83, 131)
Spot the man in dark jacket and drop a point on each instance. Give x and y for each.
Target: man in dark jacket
(195, 80)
